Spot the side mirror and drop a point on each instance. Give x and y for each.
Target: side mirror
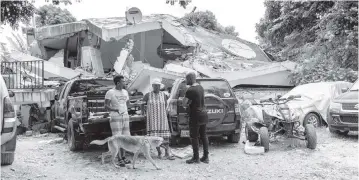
(344, 90)
(56, 97)
(11, 93)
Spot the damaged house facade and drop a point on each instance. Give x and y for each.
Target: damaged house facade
(163, 46)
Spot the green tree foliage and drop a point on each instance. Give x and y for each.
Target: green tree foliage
(208, 20)
(50, 15)
(182, 3)
(321, 36)
(13, 12)
(231, 30)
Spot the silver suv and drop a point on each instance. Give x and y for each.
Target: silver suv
(8, 125)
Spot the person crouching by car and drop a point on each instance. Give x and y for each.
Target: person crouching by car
(117, 102)
(157, 122)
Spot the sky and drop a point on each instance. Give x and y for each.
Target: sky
(243, 14)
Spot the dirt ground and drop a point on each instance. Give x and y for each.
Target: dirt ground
(47, 157)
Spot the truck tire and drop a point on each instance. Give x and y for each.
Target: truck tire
(251, 136)
(264, 138)
(73, 140)
(8, 157)
(234, 138)
(311, 136)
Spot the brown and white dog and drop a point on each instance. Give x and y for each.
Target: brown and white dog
(134, 144)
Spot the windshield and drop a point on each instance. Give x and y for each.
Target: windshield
(218, 88)
(83, 86)
(355, 87)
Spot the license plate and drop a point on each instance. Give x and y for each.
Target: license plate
(184, 133)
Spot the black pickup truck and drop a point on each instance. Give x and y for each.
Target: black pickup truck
(79, 111)
(221, 104)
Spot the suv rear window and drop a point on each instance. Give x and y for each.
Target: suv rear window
(216, 87)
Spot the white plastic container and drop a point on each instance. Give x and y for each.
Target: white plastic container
(249, 148)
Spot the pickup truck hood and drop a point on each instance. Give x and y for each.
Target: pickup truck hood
(348, 97)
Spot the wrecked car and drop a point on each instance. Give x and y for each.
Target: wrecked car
(79, 111)
(312, 105)
(343, 111)
(221, 104)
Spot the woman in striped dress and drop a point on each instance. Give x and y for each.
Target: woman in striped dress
(157, 122)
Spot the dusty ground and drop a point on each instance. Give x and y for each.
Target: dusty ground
(335, 158)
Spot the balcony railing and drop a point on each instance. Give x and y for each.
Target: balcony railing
(23, 74)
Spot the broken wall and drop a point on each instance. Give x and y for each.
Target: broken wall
(145, 49)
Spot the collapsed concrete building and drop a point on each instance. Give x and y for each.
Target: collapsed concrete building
(164, 42)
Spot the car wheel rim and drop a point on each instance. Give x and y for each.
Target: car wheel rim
(313, 120)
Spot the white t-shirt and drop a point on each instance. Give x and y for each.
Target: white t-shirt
(118, 99)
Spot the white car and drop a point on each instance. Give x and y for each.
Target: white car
(8, 124)
(315, 100)
(312, 107)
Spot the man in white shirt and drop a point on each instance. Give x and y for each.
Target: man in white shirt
(116, 102)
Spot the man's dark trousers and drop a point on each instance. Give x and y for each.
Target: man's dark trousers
(198, 130)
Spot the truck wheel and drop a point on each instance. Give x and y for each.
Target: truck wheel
(234, 138)
(174, 141)
(72, 138)
(264, 138)
(8, 158)
(311, 136)
(251, 136)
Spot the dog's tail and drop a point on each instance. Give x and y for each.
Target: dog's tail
(100, 142)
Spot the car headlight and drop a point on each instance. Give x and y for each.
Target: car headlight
(334, 107)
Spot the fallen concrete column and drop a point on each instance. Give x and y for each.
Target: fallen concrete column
(121, 60)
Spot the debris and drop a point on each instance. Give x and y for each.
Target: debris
(43, 131)
(39, 127)
(91, 60)
(121, 60)
(58, 58)
(52, 141)
(182, 153)
(28, 133)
